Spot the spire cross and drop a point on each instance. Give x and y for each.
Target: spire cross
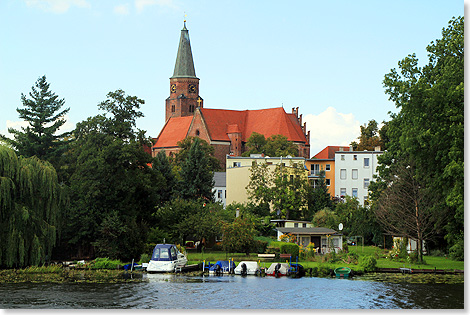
(199, 102)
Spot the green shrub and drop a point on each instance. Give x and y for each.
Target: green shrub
(290, 248)
(106, 263)
(144, 258)
(369, 263)
(456, 252)
(437, 253)
(259, 246)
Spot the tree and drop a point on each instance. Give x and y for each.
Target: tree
(289, 191)
(161, 164)
(318, 196)
(255, 144)
(284, 188)
(43, 113)
(208, 150)
(239, 236)
(113, 190)
(429, 129)
(31, 204)
(276, 145)
(326, 218)
(197, 179)
(404, 207)
(370, 138)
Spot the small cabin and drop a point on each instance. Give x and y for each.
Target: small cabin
(326, 240)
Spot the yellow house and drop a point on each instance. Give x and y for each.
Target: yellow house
(238, 171)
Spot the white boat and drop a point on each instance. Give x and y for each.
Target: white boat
(278, 269)
(247, 268)
(166, 258)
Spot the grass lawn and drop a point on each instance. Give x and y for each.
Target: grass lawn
(431, 262)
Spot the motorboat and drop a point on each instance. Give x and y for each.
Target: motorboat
(166, 258)
(278, 270)
(245, 268)
(222, 267)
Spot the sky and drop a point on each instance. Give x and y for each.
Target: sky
(328, 58)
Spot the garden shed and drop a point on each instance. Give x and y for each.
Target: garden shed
(326, 240)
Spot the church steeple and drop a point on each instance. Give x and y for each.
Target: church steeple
(184, 85)
(184, 66)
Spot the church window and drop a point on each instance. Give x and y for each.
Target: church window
(197, 132)
(191, 108)
(172, 108)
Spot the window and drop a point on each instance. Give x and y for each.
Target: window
(219, 193)
(327, 182)
(366, 162)
(342, 157)
(342, 192)
(296, 225)
(237, 164)
(366, 183)
(315, 169)
(191, 108)
(343, 174)
(355, 157)
(366, 200)
(354, 174)
(197, 132)
(354, 192)
(304, 225)
(172, 108)
(327, 167)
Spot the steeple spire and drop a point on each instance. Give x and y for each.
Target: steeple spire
(184, 66)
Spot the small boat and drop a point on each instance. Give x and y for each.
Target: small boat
(245, 268)
(222, 267)
(278, 270)
(166, 258)
(342, 272)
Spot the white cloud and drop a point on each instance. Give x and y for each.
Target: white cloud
(331, 128)
(122, 9)
(57, 6)
(141, 4)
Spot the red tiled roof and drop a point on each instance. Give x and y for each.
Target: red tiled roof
(175, 130)
(329, 152)
(271, 121)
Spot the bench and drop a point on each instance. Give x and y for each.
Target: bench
(284, 256)
(266, 256)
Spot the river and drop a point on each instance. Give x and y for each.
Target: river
(167, 291)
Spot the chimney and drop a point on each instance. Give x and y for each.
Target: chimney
(300, 120)
(351, 148)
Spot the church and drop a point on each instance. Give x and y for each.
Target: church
(226, 130)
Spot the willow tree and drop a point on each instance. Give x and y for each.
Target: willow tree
(30, 199)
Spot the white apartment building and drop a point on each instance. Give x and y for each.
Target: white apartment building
(220, 187)
(354, 170)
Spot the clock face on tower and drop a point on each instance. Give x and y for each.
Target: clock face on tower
(173, 88)
(192, 88)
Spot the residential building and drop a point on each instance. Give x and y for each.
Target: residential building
(354, 172)
(220, 187)
(324, 161)
(238, 171)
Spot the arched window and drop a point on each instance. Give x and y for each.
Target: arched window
(197, 132)
(172, 108)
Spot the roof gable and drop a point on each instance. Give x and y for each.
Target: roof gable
(329, 152)
(175, 130)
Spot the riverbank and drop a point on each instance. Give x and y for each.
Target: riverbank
(56, 274)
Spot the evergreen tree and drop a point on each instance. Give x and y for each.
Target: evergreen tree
(197, 179)
(42, 112)
(31, 201)
(161, 164)
(318, 196)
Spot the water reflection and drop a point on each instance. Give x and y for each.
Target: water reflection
(169, 291)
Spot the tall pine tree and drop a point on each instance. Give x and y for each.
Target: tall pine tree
(43, 113)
